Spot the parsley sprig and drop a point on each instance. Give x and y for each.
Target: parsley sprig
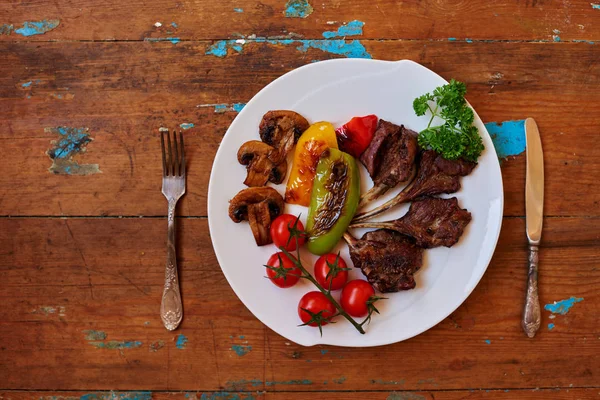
(457, 137)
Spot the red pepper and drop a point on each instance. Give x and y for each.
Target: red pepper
(355, 136)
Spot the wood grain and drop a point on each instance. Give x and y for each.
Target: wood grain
(384, 19)
(535, 394)
(123, 92)
(65, 277)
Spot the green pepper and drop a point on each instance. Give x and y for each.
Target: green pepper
(334, 200)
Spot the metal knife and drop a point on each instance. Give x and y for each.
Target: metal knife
(534, 211)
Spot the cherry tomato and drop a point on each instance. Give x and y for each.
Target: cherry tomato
(354, 298)
(284, 272)
(280, 232)
(315, 302)
(322, 268)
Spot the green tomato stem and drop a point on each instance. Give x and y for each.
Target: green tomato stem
(327, 294)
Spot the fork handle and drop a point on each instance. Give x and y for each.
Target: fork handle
(531, 311)
(171, 308)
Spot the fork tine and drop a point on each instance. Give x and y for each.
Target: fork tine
(182, 154)
(170, 160)
(175, 155)
(164, 159)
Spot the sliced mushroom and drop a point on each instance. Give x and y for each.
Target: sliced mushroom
(259, 159)
(281, 129)
(259, 206)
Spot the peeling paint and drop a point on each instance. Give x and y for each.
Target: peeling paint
(351, 48)
(181, 342)
(154, 347)
(174, 25)
(340, 380)
(116, 344)
(508, 137)
(297, 9)
(452, 39)
(225, 396)
(488, 341)
(221, 108)
(241, 350)
(324, 351)
(405, 396)
(550, 326)
(71, 142)
(238, 10)
(186, 125)
(595, 6)
(95, 335)
(352, 28)
(31, 28)
(563, 306)
(173, 40)
(113, 395)
(6, 29)
(27, 84)
(46, 310)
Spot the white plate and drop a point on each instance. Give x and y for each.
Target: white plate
(335, 91)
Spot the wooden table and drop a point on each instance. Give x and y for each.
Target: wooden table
(85, 87)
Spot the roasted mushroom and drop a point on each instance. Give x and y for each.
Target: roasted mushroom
(259, 206)
(281, 129)
(258, 157)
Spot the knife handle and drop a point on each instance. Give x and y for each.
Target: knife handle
(532, 317)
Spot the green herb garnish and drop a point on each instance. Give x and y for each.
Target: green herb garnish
(457, 137)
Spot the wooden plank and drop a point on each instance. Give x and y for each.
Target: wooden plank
(81, 296)
(136, 19)
(123, 92)
(535, 394)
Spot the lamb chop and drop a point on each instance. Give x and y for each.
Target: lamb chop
(389, 158)
(388, 259)
(431, 221)
(434, 175)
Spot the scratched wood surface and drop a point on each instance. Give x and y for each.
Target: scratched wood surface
(84, 87)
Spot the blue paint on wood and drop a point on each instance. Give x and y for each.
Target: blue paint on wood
(237, 107)
(350, 49)
(27, 84)
(31, 28)
(452, 39)
(550, 326)
(469, 40)
(114, 395)
(584, 41)
(226, 396)
(174, 25)
(173, 40)
(508, 137)
(563, 306)
(95, 335)
(186, 125)
(241, 350)
(181, 341)
(6, 29)
(324, 351)
(238, 10)
(595, 6)
(242, 337)
(487, 341)
(297, 9)
(556, 38)
(340, 380)
(116, 344)
(352, 28)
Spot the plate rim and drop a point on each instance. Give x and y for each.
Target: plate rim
(383, 342)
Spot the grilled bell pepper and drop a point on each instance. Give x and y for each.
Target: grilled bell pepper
(316, 139)
(334, 200)
(355, 136)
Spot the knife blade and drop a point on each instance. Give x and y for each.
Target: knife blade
(534, 216)
(534, 182)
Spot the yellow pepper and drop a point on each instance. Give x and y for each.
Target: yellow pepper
(314, 141)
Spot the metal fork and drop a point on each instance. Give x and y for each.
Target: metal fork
(173, 187)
